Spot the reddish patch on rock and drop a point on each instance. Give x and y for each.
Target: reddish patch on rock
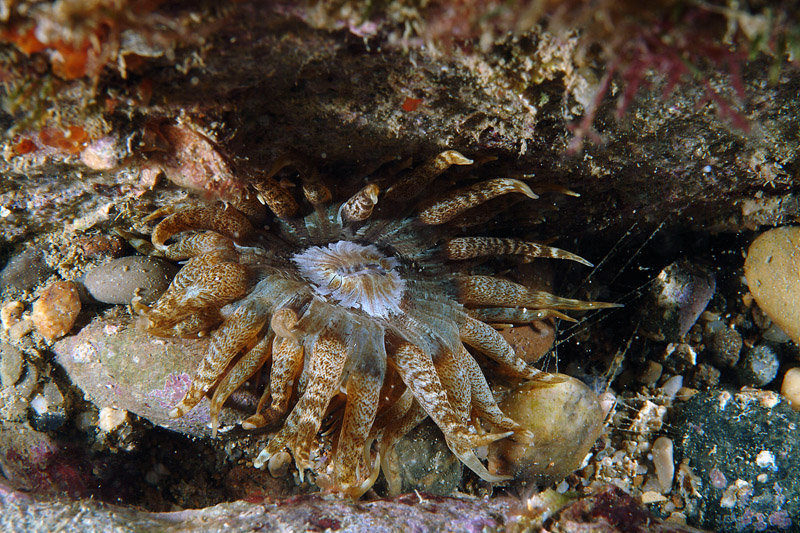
(411, 104)
(193, 161)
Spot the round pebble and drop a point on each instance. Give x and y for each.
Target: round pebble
(772, 269)
(118, 281)
(565, 417)
(790, 388)
(11, 365)
(531, 342)
(664, 462)
(116, 364)
(726, 344)
(759, 366)
(651, 372)
(55, 311)
(25, 270)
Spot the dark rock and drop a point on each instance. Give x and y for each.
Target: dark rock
(759, 366)
(744, 450)
(424, 462)
(679, 295)
(25, 270)
(726, 344)
(705, 377)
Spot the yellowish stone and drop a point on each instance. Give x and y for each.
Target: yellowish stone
(772, 269)
(565, 417)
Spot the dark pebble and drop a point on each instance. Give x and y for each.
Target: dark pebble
(726, 344)
(759, 366)
(679, 295)
(25, 270)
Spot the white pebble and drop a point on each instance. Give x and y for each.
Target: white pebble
(766, 459)
(671, 387)
(664, 462)
(111, 418)
(39, 404)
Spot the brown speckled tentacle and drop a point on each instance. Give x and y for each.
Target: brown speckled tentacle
(456, 202)
(363, 393)
(483, 401)
(315, 191)
(195, 325)
(206, 282)
(240, 330)
(240, 372)
(415, 182)
(455, 380)
(327, 362)
(515, 315)
(392, 414)
(471, 247)
(359, 207)
(488, 341)
(418, 373)
(229, 222)
(196, 244)
(273, 195)
(287, 362)
(496, 292)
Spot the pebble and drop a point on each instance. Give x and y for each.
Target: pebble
(11, 313)
(278, 464)
(790, 388)
(705, 376)
(664, 462)
(25, 270)
(726, 344)
(56, 310)
(772, 269)
(110, 418)
(119, 280)
(11, 365)
(678, 297)
(671, 387)
(565, 417)
(47, 411)
(651, 373)
(422, 463)
(531, 342)
(759, 366)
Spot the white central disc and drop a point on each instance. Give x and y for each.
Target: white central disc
(355, 276)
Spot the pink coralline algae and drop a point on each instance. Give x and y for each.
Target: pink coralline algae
(175, 386)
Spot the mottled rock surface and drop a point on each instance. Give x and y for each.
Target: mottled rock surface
(744, 449)
(119, 366)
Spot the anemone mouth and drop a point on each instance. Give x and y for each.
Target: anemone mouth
(354, 276)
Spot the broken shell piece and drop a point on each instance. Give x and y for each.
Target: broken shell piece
(565, 417)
